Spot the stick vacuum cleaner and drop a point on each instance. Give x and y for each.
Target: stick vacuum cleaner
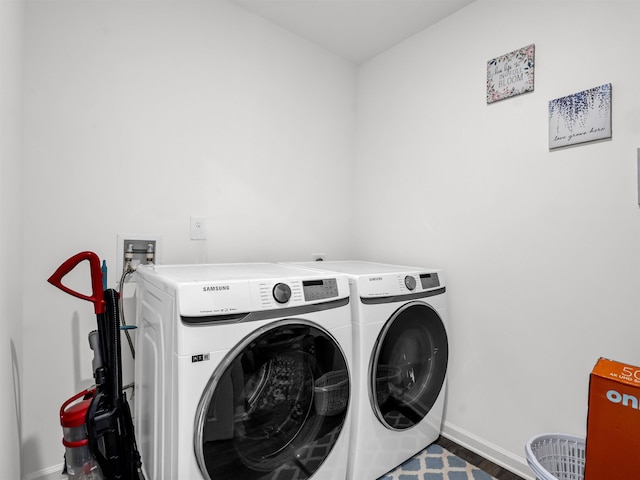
(97, 427)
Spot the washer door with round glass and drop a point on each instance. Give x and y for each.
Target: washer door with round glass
(275, 406)
(408, 367)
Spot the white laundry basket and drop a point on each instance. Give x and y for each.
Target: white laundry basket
(556, 456)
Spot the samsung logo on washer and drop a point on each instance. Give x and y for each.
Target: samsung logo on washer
(375, 279)
(215, 288)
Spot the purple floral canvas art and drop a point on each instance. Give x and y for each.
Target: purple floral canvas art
(582, 117)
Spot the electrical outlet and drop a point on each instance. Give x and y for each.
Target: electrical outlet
(319, 257)
(138, 248)
(198, 228)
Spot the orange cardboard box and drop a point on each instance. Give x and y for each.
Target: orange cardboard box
(613, 422)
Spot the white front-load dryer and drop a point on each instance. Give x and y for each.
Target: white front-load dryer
(243, 372)
(400, 359)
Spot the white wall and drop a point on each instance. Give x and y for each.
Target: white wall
(540, 248)
(140, 114)
(11, 32)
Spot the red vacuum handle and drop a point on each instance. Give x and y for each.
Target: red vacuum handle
(90, 392)
(97, 296)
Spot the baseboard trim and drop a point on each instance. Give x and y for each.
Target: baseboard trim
(50, 473)
(488, 450)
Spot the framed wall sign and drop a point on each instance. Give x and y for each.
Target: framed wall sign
(581, 117)
(511, 74)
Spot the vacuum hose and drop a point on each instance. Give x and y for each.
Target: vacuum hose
(114, 362)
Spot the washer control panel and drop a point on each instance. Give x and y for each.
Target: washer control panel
(233, 289)
(320, 289)
(410, 282)
(233, 297)
(281, 292)
(295, 292)
(429, 280)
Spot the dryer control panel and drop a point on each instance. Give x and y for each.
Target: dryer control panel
(383, 280)
(389, 284)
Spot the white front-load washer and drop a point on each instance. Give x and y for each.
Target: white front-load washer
(400, 362)
(242, 372)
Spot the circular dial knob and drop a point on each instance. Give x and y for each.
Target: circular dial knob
(281, 292)
(410, 282)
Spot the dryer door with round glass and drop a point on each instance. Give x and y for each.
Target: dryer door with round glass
(408, 366)
(275, 406)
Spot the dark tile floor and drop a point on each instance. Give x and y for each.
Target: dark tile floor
(475, 459)
(471, 457)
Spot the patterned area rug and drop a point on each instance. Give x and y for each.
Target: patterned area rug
(436, 463)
